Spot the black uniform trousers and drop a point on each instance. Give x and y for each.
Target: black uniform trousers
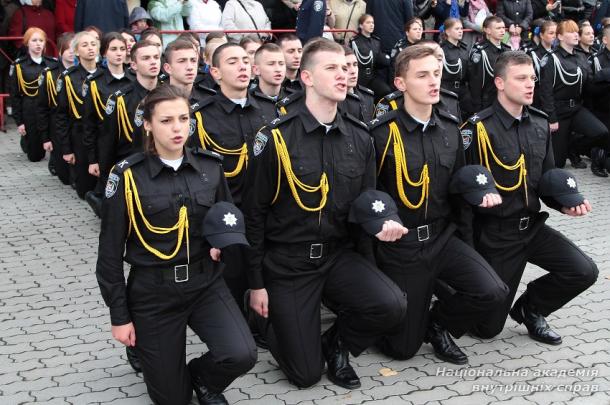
(507, 249)
(161, 310)
(33, 137)
(62, 168)
(234, 273)
(469, 286)
(588, 130)
(366, 302)
(83, 180)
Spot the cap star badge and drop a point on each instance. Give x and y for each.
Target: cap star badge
(571, 182)
(378, 206)
(481, 179)
(230, 219)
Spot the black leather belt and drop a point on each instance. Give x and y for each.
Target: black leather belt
(308, 250)
(179, 273)
(572, 102)
(425, 232)
(518, 223)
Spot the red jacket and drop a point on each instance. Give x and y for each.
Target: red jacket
(64, 15)
(34, 17)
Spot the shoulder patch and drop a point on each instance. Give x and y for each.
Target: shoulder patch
(11, 72)
(544, 60)
(260, 141)
(110, 104)
(126, 163)
(192, 126)
(138, 117)
(381, 109)
(207, 153)
(85, 89)
(112, 184)
(466, 137)
(475, 57)
(59, 84)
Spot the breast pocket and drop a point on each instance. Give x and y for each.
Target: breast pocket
(348, 184)
(158, 210)
(308, 174)
(537, 150)
(203, 202)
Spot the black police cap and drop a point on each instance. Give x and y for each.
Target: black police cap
(561, 186)
(473, 182)
(371, 209)
(224, 225)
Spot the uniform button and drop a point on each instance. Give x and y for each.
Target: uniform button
(517, 13)
(180, 196)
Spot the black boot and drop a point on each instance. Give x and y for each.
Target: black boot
(95, 202)
(444, 346)
(576, 161)
(339, 371)
(204, 395)
(132, 358)
(256, 323)
(523, 312)
(598, 162)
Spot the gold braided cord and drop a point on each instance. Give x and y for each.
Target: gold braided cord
(182, 226)
(51, 91)
(206, 140)
(393, 104)
(293, 181)
(283, 110)
(484, 145)
(72, 97)
(125, 127)
(30, 89)
(402, 172)
(97, 100)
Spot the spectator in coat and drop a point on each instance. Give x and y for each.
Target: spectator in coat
(64, 15)
(139, 20)
(390, 19)
(167, 16)
(107, 15)
(205, 15)
(517, 16)
(244, 15)
(347, 13)
(32, 14)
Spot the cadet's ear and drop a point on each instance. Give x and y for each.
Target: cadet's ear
(215, 72)
(399, 82)
(147, 126)
(307, 78)
(499, 82)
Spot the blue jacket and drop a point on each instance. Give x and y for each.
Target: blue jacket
(310, 19)
(107, 15)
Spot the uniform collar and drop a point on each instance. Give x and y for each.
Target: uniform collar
(258, 93)
(110, 78)
(411, 125)
(565, 53)
(229, 105)
(311, 124)
(139, 89)
(506, 119)
(156, 166)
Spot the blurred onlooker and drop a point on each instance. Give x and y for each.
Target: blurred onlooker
(478, 11)
(517, 16)
(64, 15)
(347, 13)
(107, 15)
(131, 4)
(282, 14)
(167, 16)
(205, 16)
(390, 19)
(311, 19)
(32, 14)
(139, 20)
(445, 9)
(244, 15)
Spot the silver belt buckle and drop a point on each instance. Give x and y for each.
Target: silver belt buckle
(524, 223)
(423, 233)
(181, 273)
(368, 71)
(572, 103)
(456, 85)
(316, 250)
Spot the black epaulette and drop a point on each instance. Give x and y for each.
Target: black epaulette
(51, 62)
(207, 153)
(462, 45)
(448, 115)
(538, 112)
(449, 93)
(69, 71)
(503, 45)
(355, 120)
(122, 92)
(205, 88)
(286, 101)
(382, 119)
(488, 112)
(275, 123)
(376, 37)
(128, 162)
(95, 75)
(18, 60)
(202, 103)
(366, 90)
(393, 96)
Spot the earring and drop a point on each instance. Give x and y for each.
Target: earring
(147, 133)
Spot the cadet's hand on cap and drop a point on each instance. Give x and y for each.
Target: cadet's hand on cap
(259, 302)
(94, 169)
(48, 146)
(125, 334)
(554, 126)
(391, 231)
(70, 158)
(21, 129)
(579, 210)
(215, 254)
(491, 200)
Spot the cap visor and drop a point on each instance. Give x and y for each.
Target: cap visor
(375, 226)
(476, 197)
(222, 240)
(570, 200)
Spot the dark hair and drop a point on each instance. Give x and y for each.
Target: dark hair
(315, 46)
(108, 38)
(363, 18)
(412, 21)
(214, 35)
(285, 38)
(219, 50)
(582, 25)
(544, 27)
(268, 47)
(128, 32)
(179, 45)
(606, 31)
(410, 53)
(450, 23)
(190, 36)
(63, 42)
(348, 51)
(158, 95)
(150, 31)
(139, 45)
(605, 21)
(249, 40)
(491, 19)
(100, 33)
(510, 58)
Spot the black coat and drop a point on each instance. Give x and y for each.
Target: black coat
(517, 12)
(390, 18)
(107, 15)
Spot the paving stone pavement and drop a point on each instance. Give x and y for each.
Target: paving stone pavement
(56, 347)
